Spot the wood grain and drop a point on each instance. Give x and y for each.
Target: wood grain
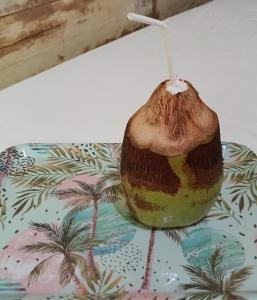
(38, 34)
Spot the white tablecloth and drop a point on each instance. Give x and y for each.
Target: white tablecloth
(91, 97)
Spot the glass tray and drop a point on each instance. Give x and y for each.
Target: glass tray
(66, 233)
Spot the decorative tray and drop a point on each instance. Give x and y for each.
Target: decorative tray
(66, 232)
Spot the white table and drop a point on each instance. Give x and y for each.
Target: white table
(91, 97)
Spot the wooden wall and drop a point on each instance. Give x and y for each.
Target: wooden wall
(38, 34)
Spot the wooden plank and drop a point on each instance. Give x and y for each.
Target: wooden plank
(61, 35)
(12, 6)
(37, 35)
(19, 26)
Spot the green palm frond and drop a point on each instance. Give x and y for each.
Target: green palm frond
(88, 189)
(107, 152)
(175, 234)
(105, 287)
(76, 208)
(242, 176)
(70, 153)
(115, 189)
(52, 231)
(240, 170)
(66, 271)
(81, 198)
(42, 148)
(81, 262)
(200, 280)
(81, 203)
(115, 150)
(47, 175)
(31, 198)
(42, 247)
(237, 278)
(245, 191)
(41, 181)
(110, 198)
(210, 278)
(77, 237)
(78, 200)
(221, 210)
(112, 172)
(90, 243)
(66, 228)
(71, 193)
(67, 237)
(39, 269)
(239, 152)
(111, 175)
(70, 231)
(3, 216)
(91, 190)
(76, 159)
(68, 240)
(111, 178)
(99, 188)
(212, 281)
(215, 260)
(213, 269)
(82, 243)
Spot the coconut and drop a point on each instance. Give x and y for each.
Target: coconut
(171, 159)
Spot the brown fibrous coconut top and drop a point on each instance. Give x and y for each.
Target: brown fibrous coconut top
(172, 124)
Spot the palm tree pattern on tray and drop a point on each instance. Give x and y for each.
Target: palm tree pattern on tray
(67, 240)
(105, 287)
(62, 163)
(80, 199)
(173, 234)
(75, 243)
(212, 280)
(241, 172)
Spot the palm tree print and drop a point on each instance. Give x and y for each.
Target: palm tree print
(82, 197)
(29, 181)
(173, 234)
(241, 173)
(149, 263)
(105, 287)
(3, 199)
(67, 240)
(221, 211)
(111, 177)
(212, 281)
(62, 162)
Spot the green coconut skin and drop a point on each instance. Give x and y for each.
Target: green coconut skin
(172, 188)
(184, 208)
(197, 184)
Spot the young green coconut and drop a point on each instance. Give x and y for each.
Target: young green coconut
(171, 160)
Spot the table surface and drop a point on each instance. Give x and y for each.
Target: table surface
(90, 98)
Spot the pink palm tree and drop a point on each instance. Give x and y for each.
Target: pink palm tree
(173, 234)
(66, 240)
(80, 198)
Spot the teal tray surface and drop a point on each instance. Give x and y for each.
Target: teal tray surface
(66, 232)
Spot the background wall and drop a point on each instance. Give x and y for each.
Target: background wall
(38, 34)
